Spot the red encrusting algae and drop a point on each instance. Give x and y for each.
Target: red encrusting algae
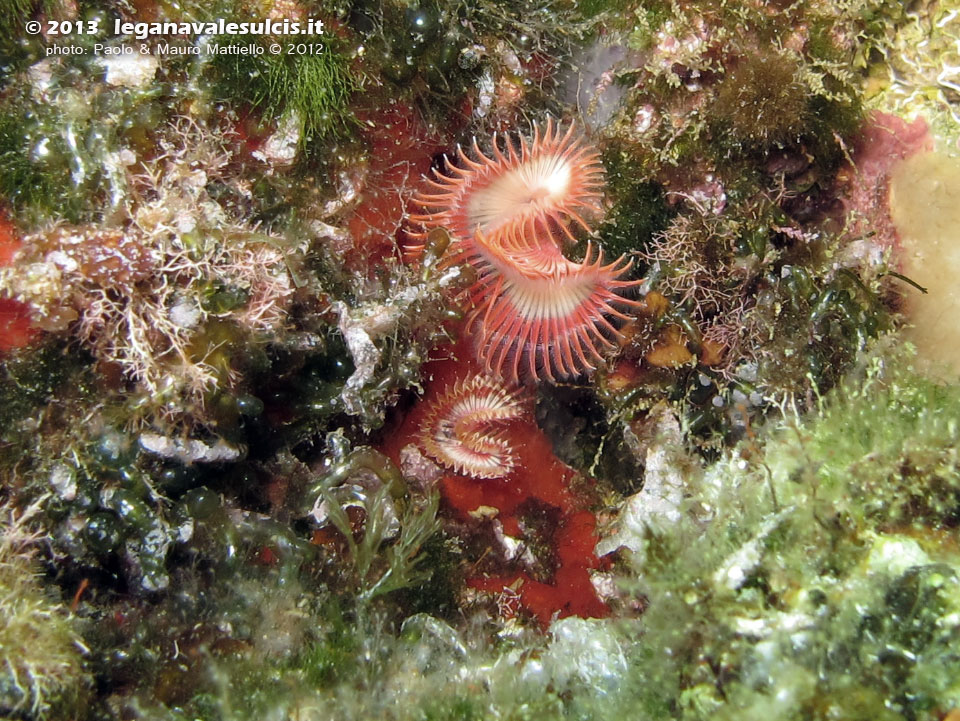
(15, 328)
(570, 592)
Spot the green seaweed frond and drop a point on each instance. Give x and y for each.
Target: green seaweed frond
(382, 564)
(12, 11)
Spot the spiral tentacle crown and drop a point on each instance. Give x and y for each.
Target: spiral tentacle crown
(534, 313)
(461, 431)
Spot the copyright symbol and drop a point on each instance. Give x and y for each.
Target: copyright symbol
(33, 27)
(275, 48)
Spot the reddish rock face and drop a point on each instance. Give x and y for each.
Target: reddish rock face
(401, 150)
(884, 141)
(15, 328)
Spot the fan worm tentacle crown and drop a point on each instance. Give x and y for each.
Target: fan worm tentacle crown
(460, 430)
(532, 322)
(520, 193)
(534, 313)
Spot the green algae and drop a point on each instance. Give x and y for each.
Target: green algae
(807, 578)
(41, 668)
(58, 159)
(641, 211)
(314, 90)
(382, 560)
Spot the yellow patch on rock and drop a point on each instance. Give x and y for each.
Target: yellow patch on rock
(925, 208)
(671, 350)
